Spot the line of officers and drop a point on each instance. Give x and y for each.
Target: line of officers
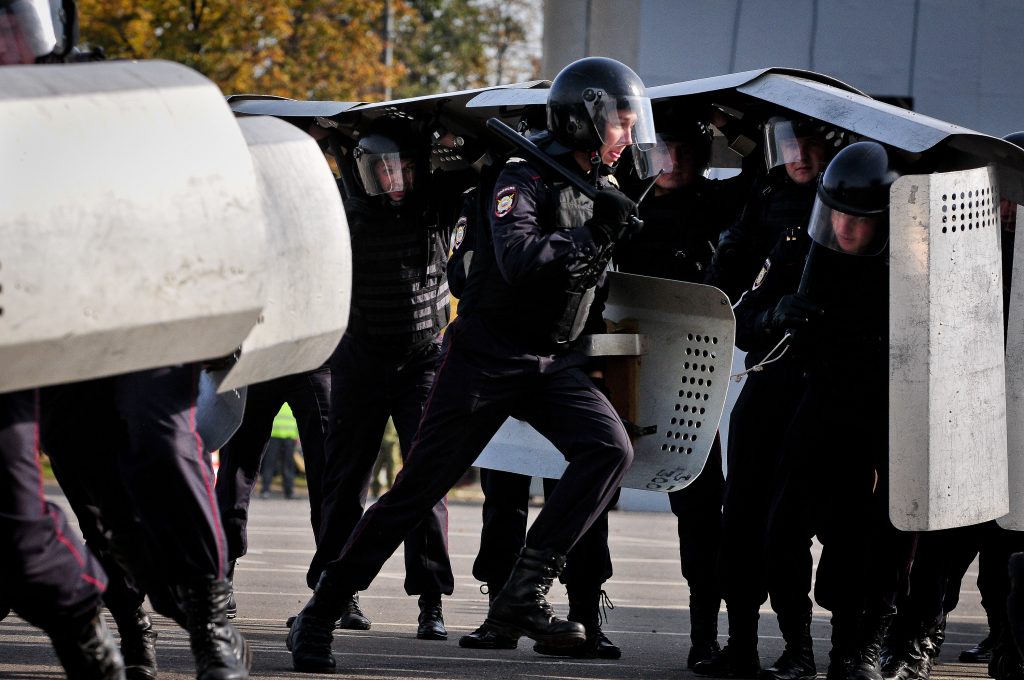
(799, 243)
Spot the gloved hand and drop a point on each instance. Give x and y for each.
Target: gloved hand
(614, 213)
(730, 242)
(792, 312)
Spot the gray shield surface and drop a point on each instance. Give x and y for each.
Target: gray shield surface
(1015, 388)
(683, 345)
(947, 402)
(308, 264)
(130, 221)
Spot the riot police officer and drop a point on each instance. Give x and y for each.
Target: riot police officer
(683, 216)
(832, 484)
(384, 365)
(510, 352)
(771, 228)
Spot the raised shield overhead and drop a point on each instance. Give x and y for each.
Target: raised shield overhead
(308, 264)
(668, 373)
(130, 220)
(947, 407)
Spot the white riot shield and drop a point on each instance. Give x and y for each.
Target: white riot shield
(130, 221)
(307, 265)
(1015, 388)
(682, 350)
(947, 401)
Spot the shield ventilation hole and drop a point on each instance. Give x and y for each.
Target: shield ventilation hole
(971, 210)
(684, 428)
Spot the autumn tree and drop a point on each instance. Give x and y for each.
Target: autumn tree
(312, 49)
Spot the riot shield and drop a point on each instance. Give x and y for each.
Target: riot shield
(308, 265)
(1015, 388)
(218, 414)
(668, 378)
(947, 402)
(130, 220)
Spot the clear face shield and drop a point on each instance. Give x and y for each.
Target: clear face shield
(849, 234)
(386, 173)
(26, 31)
(799, 144)
(621, 120)
(676, 160)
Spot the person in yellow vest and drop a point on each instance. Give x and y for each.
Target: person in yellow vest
(280, 454)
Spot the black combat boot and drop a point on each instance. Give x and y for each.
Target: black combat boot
(585, 606)
(352, 617)
(521, 608)
(738, 659)
(865, 662)
(220, 651)
(310, 636)
(87, 650)
(232, 609)
(979, 653)
(843, 642)
(138, 644)
(431, 622)
(911, 655)
(484, 637)
(703, 630)
(797, 660)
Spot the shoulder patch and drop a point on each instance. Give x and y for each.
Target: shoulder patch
(505, 200)
(763, 273)
(459, 234)
(613, 180)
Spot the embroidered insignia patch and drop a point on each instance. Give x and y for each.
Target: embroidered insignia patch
(459, 234)
(504, 201)
(763, 273)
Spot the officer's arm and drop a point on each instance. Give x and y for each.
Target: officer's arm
(523, 247)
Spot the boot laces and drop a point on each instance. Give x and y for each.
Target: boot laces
(353, 608)
(606, 604)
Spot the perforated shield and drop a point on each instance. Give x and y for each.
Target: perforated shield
(130, 221)
(681, 350)
(308, 264)
(947, 403)
(1015, 388)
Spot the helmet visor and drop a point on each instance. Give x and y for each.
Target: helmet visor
(625, 120)
(849, 234)
(787, 142)
(386, 173)
(26, 31)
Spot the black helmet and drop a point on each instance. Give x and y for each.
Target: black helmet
(588, 93)
(854, 192)
(1016, 138)
(693, 134)
(388, 158)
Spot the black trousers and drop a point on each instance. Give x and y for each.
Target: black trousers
(46, 575)
(698, 511)
(757, 429)
(483, 378)
(149, 464)
(308, 395)
(367, 389)
(505, 509)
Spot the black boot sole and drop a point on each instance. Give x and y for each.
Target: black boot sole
(467, 642)
(512, 630)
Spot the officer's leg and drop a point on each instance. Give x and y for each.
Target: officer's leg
(571, 413)
(240, 462)
(789, 563)
(997, 546)
(587, 566)
(464, 410)
(505, 508)
(171, 479)
(428, 569)
(698, 509)
(309, 398)
(46, 575)
(358, 416)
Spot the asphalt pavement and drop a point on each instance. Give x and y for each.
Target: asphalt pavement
(650, 620)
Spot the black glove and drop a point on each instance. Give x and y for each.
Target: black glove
(614, 214)
(792, 312)
(730, 242)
